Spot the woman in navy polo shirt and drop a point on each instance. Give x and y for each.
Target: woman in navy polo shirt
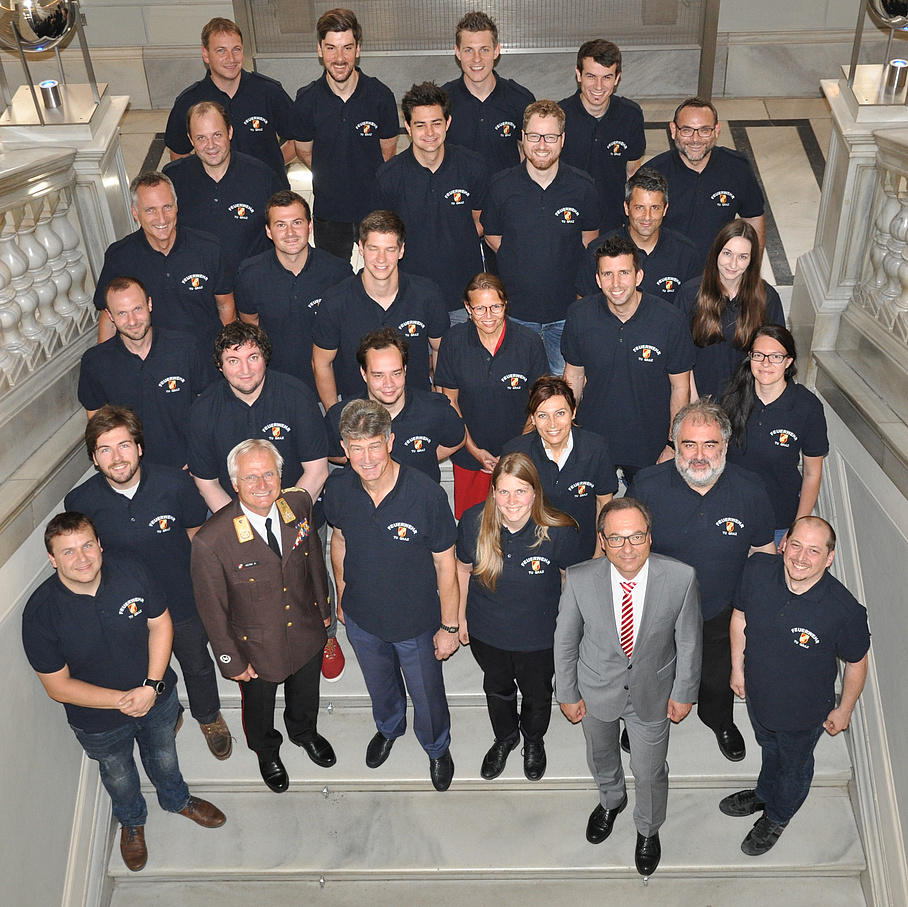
(511, 552)
(777, 426)
(486, 368)
(726, 306)
(574, 465)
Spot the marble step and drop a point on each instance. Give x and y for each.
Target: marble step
(480, 835)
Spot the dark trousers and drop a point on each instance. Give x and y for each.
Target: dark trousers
(300, 708)
(335, 236)
(715, 700)
(190, 648)
(503, 673)
(787, 768)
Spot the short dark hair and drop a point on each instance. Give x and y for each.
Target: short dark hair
(284, 198)
(600, 51)
(64, 524)
(647, 180)
(425, 94)
(148, 179)
(616, 505)
(364, 419)
(203, 107)
(383, 339)
(382, 222)
(339, 20)
(236, 334)
(485, 281)
(476, 21)
(817, 520)
(695, 102)
(119, 284)
(545, 388)
(106, 419)
(543, 108)
(616, 246)
(219, 26)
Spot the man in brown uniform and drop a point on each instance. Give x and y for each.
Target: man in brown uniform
(262, 591)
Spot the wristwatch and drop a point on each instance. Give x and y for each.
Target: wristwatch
(157, 685)
(448, 629)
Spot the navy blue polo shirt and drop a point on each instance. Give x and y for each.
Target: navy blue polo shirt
(792, 642)
(160, 388)
(778, 435)
(714, 532)
(491, 127)
(182, 284)
(587, 472)
(347, 313)
(286, 304)
(346, 139)
(286, 414)
(151, 526)
(260, 113)
(541, 237)
(101, 638)
(426, 422)
(703, 203)
(233, 209)
(493, 391)
(391, 587)
(628, 363)
(717, 362)
(673, 261)
(603, 147)
(442, 242)
(520, 615)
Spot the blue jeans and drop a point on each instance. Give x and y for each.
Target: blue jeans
(113, 751)
(551, 338)
(787, 768)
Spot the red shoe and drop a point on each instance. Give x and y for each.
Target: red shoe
(333, 661)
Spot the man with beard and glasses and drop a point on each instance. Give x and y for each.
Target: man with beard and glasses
(150, 512)
(712, 516)
(710, 185)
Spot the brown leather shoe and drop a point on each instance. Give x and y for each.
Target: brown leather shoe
(217, 736)
(132, 847)
(203, 813)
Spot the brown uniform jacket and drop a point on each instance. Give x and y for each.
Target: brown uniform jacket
(259, 609)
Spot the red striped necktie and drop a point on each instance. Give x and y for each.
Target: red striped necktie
(627, 619)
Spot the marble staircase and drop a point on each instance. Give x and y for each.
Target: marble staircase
(350, 835)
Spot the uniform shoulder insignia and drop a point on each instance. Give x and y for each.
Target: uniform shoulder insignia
(243, 530)
(292, 488)
(287, 515)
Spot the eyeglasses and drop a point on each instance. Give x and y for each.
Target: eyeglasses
(703, 131)
(252, 480)
(496, 308)
(617, 541)
(774, 358)
(549, 137)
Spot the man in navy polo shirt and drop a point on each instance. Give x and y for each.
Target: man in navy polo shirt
(98, 636)
(628, 357)
(710, 185)
(539, 217)
(260, 108)
(155, 372)
(603, 133)
(427, 428)
(439, 189)
(666, 257)
(379, 296)
(346, 126)
(393, 556)
(150, 512)
(712, 516)
(182, 269)
(223, 191)
(791, 623)
(280, 290)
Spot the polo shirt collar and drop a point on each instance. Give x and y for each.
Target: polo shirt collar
(678, 481)
(814, 595)
(504, 342)
(177, 243)
(528, 528)
(784, 402)
(323, 81)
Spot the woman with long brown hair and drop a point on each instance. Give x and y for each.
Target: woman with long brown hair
(511, 553)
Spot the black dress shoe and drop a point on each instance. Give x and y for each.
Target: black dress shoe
(647, 854)
(320, 751)
(378, 750)
(625, 742)
(731, 744)
(274, 774)
(496, 758)
(601, 821)
(534, 760)
(441, 771)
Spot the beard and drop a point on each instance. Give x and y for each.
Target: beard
(699, 478)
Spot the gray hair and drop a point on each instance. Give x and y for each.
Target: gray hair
(253, 445)
(150, 179)
(702, 411)
(364, 419)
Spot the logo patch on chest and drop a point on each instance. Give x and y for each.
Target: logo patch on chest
(730, 525)
(402, 532)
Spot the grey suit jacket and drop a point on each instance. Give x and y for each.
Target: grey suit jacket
(589, 661)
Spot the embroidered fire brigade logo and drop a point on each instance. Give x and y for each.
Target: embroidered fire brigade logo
(514, 381)
(783, 437)
(582, 488)
(411, 328)
(418, 444)
(723, 198)
(366, 128)
(668, 284)
(730, 525)
(402, 532)
(457, 197)
(567, 215)
(617, 148)
(535, 565)
(132, 608)
(646, 352)
(162, 523)
(255, 123)
(172, 384)
(804, 638)
(277, 430)
(505, 128)
(242, 211)
(194, 281)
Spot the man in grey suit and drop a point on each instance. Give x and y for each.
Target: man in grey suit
(628, 645)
